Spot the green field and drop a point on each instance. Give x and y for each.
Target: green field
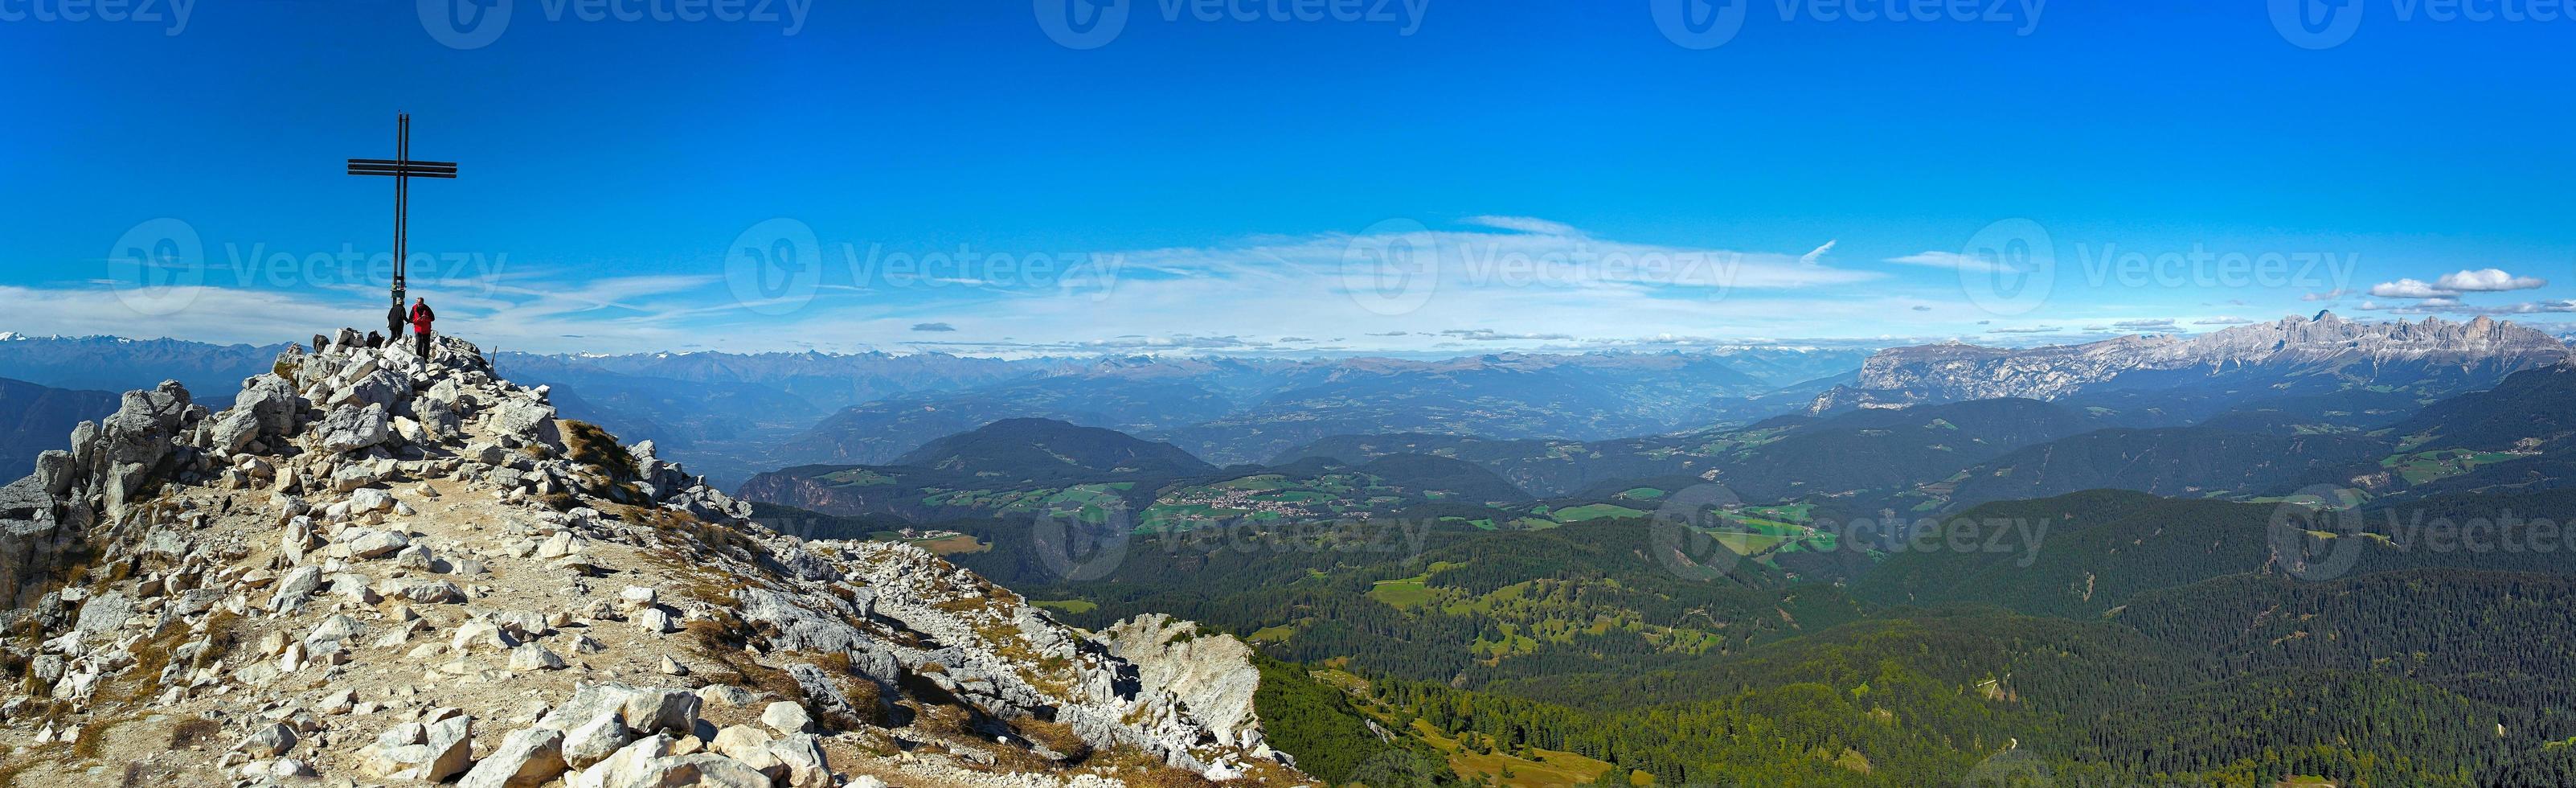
(952, 545)
(1068, 605)
(1594, 511)
(2425, 466)
(1408, 592)
(1542, 769)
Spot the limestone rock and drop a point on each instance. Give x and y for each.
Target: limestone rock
(350, 428)
(787, 717)
(267, 741)
(527, 758)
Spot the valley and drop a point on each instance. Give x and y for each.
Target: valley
(2216, 580)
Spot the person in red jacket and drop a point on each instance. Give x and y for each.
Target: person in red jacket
(420, 320)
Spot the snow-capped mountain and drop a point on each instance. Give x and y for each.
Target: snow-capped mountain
(2324, 352)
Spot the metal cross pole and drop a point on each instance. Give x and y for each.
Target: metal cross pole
(402, 169)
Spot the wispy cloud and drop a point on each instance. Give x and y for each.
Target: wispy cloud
(1955, 260)
(1524, 224)
(1812, 258)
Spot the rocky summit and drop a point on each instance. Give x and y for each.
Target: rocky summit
(376, 569)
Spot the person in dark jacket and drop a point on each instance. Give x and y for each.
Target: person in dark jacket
(394, 322)
(420, 320)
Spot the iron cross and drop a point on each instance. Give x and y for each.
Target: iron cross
(402, 169)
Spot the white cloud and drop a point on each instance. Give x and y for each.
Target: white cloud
(2409, 288)
(1538, 286)
(2487, 280)
(2222, 321)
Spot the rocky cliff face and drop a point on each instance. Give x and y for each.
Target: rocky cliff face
(377, 569)
(2471, 354)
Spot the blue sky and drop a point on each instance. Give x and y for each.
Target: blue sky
(1433, 177)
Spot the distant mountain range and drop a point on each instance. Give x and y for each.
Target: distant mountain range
(2292, 355)
(1550, 424)
(1243, 410)
(731, 415)
(34, 418)
(104, 363)
(1023, 467)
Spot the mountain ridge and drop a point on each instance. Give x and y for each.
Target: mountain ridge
(2457, 356)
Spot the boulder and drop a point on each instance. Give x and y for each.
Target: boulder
(427, 592)
(800, 761)
(530, 656)
(527, 420)
(271, 403)
(708, 769)
(674, 710)
(424, 753)
(632, 765)
(235, 431)
(527, 758)
(350, 428)
(369, 500)
(787, 717)
(593, 741)
(267, 741)
(104, 614)
(373, 543)
(297, 587)
(480, 634)
(741, 742)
